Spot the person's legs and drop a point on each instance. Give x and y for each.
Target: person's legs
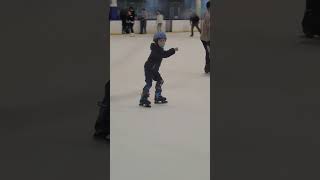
(159, 27)
(145, 92)
(131, 27)
(141, 26)
(145, 27)
(158, 88)
(192, 27)
(123, 26)
(197, 26)
(148, 85)
(158, 98)
(208, 54)
(159, 80)
(206, 46)
(127, 28)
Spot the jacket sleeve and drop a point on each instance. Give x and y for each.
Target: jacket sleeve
(159, 53)
(170, 52)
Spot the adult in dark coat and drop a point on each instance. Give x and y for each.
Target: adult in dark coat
(123, 17)
(194, 21)
(130, 20)
(143, 21)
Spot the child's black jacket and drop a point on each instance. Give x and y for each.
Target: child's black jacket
(157, 54)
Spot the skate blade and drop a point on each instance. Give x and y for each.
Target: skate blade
(145, 105)
(161, 102)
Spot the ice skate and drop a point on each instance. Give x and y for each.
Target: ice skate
(144, 102)
(159, 99)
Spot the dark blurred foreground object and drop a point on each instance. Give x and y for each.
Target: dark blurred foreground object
(102, 126)
(311, 19)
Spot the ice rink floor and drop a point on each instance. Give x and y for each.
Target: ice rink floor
(169, 141)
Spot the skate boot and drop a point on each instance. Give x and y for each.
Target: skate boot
(158, 99)
(207, 68)
(144, 102)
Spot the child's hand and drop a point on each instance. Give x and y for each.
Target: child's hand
(176, 49)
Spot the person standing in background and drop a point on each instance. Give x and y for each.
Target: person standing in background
(205, 36)
(194, 22)
(130, 22)
(159, 21)
(143, 21)
(123, 17)
(132, 12)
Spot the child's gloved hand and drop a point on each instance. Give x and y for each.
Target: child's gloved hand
(176, 49)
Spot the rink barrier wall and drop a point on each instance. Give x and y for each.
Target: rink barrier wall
(176, 26)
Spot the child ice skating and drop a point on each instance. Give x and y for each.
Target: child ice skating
(151, 69)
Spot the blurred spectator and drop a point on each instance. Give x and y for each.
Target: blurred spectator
(130, 21)
(143, 21)
(159, 21)
(123, 17)
(194, 21)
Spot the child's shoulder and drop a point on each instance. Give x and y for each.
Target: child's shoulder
(153, 46)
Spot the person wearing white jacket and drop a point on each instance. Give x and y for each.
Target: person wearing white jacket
(159, 21)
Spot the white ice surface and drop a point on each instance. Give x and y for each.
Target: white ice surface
(165, 142)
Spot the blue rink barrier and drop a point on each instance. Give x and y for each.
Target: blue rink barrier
(113, 13)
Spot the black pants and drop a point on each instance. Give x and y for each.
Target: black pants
(206, 46)
(195, 25)
(130, 27)
(124, 26)
(151, 75)
(143, 27)
(103, 121)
